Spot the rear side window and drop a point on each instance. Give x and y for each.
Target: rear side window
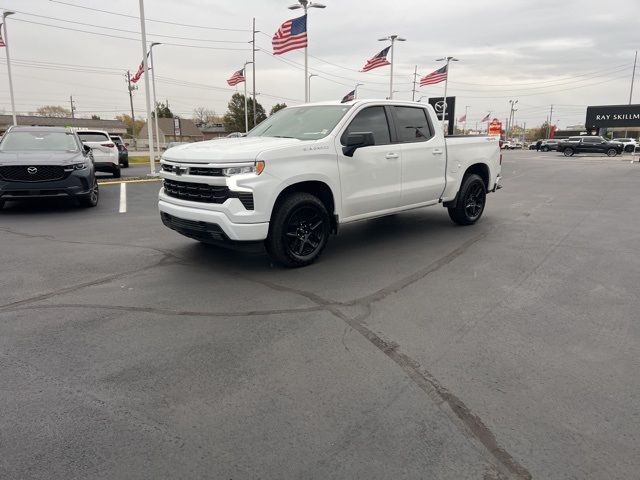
(592, 140)
(371, 119)
(93, 137)
(412, 124)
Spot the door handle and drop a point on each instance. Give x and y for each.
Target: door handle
(391, 156)
(437, 151)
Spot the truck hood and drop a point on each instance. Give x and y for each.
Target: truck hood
(40, 158)
(227, 150)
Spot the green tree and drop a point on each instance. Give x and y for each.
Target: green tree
(53, 111)
(163, 110)
(234, 118)
(132, 130)
(276, 107)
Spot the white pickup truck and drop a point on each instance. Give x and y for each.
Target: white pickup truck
(308, 169)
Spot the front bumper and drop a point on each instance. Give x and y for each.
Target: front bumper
(76, 183)
(201, 223)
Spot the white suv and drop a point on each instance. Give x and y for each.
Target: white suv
(630, 144)
(105, 152)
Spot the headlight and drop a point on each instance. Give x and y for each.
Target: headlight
(77, 166)
(256, 168)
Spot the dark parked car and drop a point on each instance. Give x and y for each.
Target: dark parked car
(588, 144)
(548, 145)
(45, 162)
(123, 151)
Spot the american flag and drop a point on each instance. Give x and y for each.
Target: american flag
(438, 76)
(486, 119)
(349, 96)
(2, 44)
(379, 60)
(138, 75)
(236, 78)
(463, 118)
(291, 35)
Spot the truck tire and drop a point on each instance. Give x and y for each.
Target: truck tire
(90, 200)
(612, 152)
(568, 152)
(299, 230)
(471, 201)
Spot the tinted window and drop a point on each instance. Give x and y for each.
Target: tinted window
(372, 119)
(93, 137)
(116, 140)
(592, 140)
(412, 124)
(38, 142)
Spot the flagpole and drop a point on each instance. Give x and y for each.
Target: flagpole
(393, 39)
(145, 63)
(6, 46)
(306, 4)
(446, 84)
(466, 109)
(355, 90)
(155, 103)
(246, 112)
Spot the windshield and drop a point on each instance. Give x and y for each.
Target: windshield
(303, 123)
(38, 142)
(93, 137)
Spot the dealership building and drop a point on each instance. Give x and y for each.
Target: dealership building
(114, 127)
(613, 121)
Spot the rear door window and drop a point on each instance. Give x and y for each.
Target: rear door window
(412, 124)
(371, 119)
(93, 137)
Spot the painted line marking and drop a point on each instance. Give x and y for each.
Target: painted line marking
(123, 198)
(120, 182)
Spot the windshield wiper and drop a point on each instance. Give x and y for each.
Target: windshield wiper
(281, 136)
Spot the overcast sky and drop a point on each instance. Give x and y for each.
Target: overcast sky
(567, 53)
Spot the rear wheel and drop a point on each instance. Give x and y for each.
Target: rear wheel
(612, 152)
(544, 149)
(299, 230)
(568, 152)
(471, 201)
(91, 199)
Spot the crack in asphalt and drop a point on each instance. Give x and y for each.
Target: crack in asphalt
(472, 427)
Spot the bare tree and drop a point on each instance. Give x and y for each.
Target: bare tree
(203, 115)
(53, 111)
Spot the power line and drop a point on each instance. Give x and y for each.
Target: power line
(150, 19)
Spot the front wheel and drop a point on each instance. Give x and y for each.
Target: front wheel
(568, 152)
(116, 172)
(545, 149)
(91, 199)
(299, 230)
(471, 201)
(612, 152)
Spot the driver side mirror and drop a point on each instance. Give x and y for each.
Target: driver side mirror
(357, 140)
(86, 148)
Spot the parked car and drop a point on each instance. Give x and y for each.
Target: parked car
(506, 145)
(306, 170)
(123, 151)
(589, 144)
(46, 162)
(629, 144)
(105, 152)
(549, 145)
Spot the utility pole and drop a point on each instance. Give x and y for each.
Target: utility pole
(5, 14)
(512, 113)
(549, 124)
(130, 88)
(415, 82)
(73, 107)
(253, 62)
(633, 77)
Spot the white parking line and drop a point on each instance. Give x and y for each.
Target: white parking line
(123, 198)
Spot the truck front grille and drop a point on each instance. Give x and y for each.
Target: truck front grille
(32, 173)
(198, 171)
(200, 192)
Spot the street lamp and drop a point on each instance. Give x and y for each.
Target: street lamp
(393, 39)
(446, 83)
(306, 5)
(5, 14)
(311, 75)
(155, 103)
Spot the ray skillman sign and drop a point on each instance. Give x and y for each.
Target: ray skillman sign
(613, 116)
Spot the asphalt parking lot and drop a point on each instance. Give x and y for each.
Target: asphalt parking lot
(412, 349)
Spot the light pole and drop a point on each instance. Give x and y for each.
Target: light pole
(311, 75)
(393, 39)
(306, 5)
(446, 84)
(147, 94)
(355, 90)
(155, 103)
(246, 112)
(6, 41)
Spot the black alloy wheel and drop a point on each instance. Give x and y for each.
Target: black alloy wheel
(612, 152)
(568, 152)
(299, 230)
(471, 201)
